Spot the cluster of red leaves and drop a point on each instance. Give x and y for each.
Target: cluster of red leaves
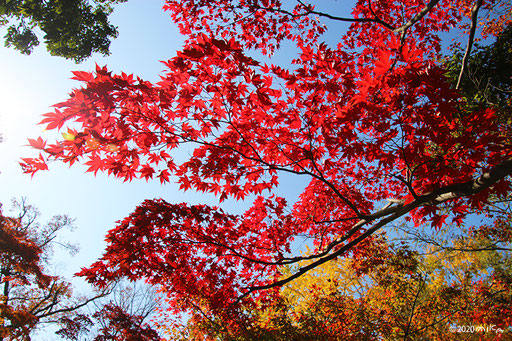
(369, 120)
(72, 327)
(123, 326)
(206, 254)
(261, 25)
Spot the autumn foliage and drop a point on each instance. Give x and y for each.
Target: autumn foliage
(29, 295)
(370, 119)
(393, 294)
(19, 260)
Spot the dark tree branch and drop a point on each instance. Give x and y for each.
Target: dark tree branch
(75, 307)
(392, 213)
(417, 17)
(474, 19)
(329, 16)
(375, 19)
(420, 286)
(402, 29)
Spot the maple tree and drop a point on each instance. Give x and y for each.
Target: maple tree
(372, 120)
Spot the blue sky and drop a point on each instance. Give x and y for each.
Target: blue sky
(30, 85)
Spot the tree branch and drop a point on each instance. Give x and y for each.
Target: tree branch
(420, 286)
(375, 19)
(474, 18)
(392, 213)
(417, 17)
(78, 306)
(402, 29)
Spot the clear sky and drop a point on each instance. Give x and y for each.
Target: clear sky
(30, 85)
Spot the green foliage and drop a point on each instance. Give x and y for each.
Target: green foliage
(72, 29)
(487, 80)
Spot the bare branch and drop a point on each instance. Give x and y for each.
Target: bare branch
(402, 29)
(474, 18)
(420, 286)
(76, 307)
(375, 19)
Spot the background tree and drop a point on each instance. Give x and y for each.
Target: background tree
(72, 29)
(391, 293)
(371, 120)
(30, 297)
(120, 316)
(487, 80)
